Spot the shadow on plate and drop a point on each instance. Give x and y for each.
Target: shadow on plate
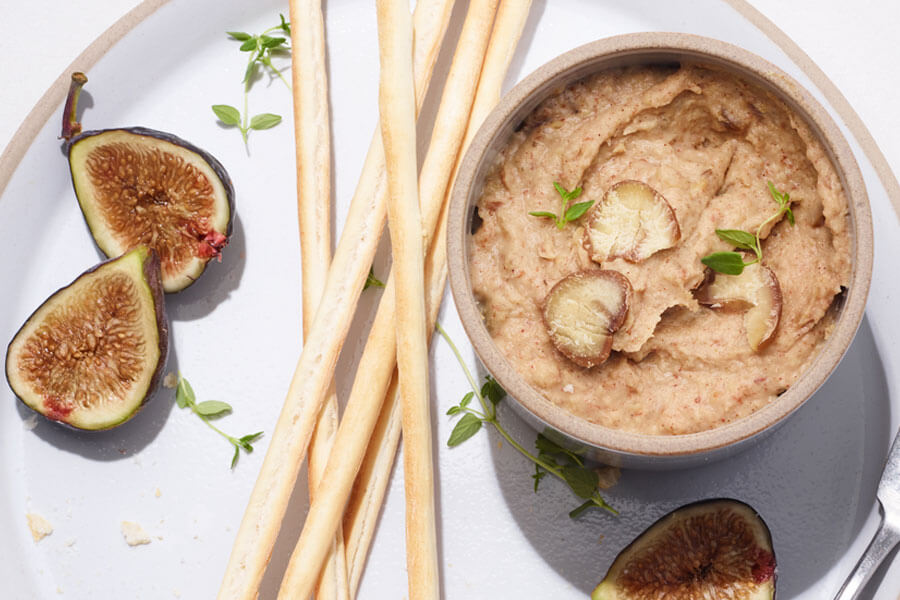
(117, 443)
(813, 481)
(215, 285)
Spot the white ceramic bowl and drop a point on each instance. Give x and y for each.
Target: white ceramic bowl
(610, 445)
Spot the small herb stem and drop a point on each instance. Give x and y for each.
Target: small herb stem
(525, 452)
(268, 63)
(492, 419)
(213, 427)
(462, 363)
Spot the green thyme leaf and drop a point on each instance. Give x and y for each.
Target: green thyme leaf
(582, 480)
(568, 196)
(184, 393)
(465, 428)
(453, 410)
(212, 408)
(566, 213)
(729, 263)
(251, 437)
(285, 26)
(229, 115)
(237, 454)
(492, 391)
(576, 210)
(466, 399)
(239, 35)
(264, 121)
(249, 45)
(272, 42)
(737, 238)
(372, 281)
(546, 445)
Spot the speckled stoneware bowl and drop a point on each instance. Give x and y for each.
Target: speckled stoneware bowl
(610, 445)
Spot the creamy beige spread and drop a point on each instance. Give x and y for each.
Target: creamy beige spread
(708, 142)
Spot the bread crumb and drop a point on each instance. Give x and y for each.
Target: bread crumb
(170, 381)
(569, 388)
(39, 526)
(157, 493)
(134, 534)
(607, 476)
(59, 590)
(30, 423)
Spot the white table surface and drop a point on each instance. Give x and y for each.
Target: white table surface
(853, 43)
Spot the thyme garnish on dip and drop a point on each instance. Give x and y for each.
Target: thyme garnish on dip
(565, 465)
(732, 263)
(566, 213)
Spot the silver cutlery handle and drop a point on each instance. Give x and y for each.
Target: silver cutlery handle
(884, 541)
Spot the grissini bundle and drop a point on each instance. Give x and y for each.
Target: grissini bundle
(369, 489)
(378, 360)
(312, 136)
(315, 368)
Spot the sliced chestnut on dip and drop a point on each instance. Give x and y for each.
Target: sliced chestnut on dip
(757, 289)
(706, 550)
(633, 221)
(583, 310)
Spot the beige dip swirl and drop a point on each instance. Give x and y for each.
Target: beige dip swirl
(708, 142)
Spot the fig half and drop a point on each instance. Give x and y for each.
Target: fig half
(93, 353)
(142, 186)
(706, 550)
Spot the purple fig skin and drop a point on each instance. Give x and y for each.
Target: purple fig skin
(601, 592)
(153, 277)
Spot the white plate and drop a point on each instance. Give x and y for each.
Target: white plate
(236, 337)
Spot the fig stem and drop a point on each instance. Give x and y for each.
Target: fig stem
(70, 125)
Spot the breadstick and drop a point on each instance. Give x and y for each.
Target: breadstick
(365, 502)
(398, 132)
(313, 142)
(379, 356)
(315, 368)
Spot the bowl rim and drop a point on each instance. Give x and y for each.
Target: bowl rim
(656, 47)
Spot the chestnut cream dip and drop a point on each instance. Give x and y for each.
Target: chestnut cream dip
(705, 144)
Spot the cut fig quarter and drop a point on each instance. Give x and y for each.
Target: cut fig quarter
(632, 221)
(93, 353)
(583, 310)
(710, 550)
(757, 288)
(142, 186)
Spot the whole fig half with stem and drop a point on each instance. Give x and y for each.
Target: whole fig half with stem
(142, 186)
(709, 550)
(93, 353)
